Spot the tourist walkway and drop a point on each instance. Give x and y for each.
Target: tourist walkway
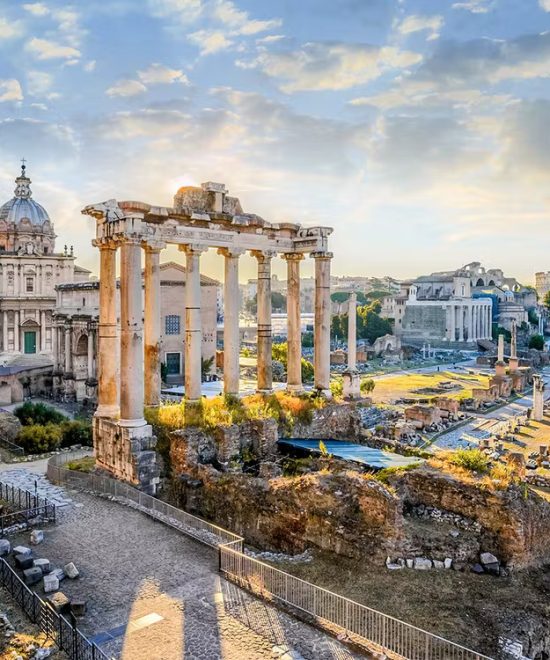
(155, 594)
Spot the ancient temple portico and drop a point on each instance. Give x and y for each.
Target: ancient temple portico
(202, 218)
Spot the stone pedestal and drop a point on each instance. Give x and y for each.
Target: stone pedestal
(538, 398)
(513, 364)
(127, 453)
(500, 368)
(352, 385)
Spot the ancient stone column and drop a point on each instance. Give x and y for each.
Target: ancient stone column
(90, 354)
(16, 331)
(294, 322)
(538, 398)
(500, 354)
(42, 330)
(152, 325)
(351, 379)
(322, 321)
(131, 335)
(68, 350)
(5, 331)
(193, 330)
(513, 341)
(107, 352)
(470, 320)
(460, 323)
(450, 320)
(231, 343)
(265, 369)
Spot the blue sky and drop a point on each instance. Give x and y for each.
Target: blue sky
(418, 129)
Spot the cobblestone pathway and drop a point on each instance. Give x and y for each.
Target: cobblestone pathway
(154, 594)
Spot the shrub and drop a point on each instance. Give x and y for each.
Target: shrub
(37, 439)
(367, 385)
(76, 433)
(337, 388)
(38, 413)
(537, 341)
(86, 464)
(473, 460)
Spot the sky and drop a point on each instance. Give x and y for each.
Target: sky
(418, 129)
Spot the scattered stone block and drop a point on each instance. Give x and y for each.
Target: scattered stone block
(5, 547)
(59, 574)
(422, 564)
(37, 536)
(478, 569)
(44, 565)
(23, 562)
(32, 575)
(490, 563)
(448, 563)
(78, 607)
(51, 583)
(438, 564)
(22, 550)
(59, 602)
(410, 563)
(71, 571)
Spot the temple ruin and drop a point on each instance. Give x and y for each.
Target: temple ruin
(129, 376)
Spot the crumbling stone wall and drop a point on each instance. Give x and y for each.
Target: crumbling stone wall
(515, 523)
(339, 421)
(346, 513)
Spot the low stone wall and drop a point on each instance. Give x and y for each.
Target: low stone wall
(346, 513)
(515, 524)
(538, 480)
(340, 421)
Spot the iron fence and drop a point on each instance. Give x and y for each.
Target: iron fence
(64, 635)
(28, 507)
(326, 609)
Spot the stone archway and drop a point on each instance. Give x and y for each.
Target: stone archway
(480, 282)
(80, 357)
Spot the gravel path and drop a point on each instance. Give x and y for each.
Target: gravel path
(154, 594)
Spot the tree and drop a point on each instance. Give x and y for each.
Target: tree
(537, 341)
(278, 301)
(546, 301)
(279, 353)
(367, 385)
(307, 340)
(533, 317)
(206, 365)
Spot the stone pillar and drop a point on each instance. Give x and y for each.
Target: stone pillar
(294, 321)
(351, 379)
(322, 321)
(152, 325)
(108, 352)
(500, 354)
(265, 370)
(538, 398)
(470, 318)
(193, 331)
(5, 332)
(460, 323)
(42, 330)
(90, 354)
(451, 321)
(513, 341)
(231, 340)
(16, 331)
(68, 350)
(131, 336)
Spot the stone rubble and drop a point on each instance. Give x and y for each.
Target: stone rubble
(37, 536)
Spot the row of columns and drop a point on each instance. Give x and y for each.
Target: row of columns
(139, 374)
(469, 322)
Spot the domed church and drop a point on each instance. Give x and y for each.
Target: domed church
(30, 269)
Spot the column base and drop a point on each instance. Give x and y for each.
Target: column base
(132, 423)
(352, 385)
(264, 391)
(323, 392)
(295, 389)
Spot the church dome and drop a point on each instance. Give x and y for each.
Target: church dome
(22, 206)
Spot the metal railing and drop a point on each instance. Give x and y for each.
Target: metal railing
(66, 637)
(28, 506)
(334, 613)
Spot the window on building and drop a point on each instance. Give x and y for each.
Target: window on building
(83, 302)
(29, 284)
(45, 250)
(173, 364)
(172, 324)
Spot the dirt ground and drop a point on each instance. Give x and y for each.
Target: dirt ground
(390, 388)
(465, 608)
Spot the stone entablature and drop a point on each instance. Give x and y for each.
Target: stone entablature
(201, 218)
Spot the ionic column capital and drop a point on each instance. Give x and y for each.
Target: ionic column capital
(192, 249)
(293, 256)
(321, 255)
(231, 252)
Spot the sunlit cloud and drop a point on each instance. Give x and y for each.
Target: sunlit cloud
(126, 88)
(45, 49)
(414, 23)
(10, 90)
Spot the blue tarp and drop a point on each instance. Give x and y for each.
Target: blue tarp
(349, 451)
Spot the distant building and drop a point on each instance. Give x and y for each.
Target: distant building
(542, 284)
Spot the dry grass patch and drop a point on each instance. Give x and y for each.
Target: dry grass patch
(472, 466)
(392, 387)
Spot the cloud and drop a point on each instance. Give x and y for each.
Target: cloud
(331, 66)
(157, 74)
(45, 49)
(126, 87)
(10, 90)
(545, 4)
(186, 11)
(210, 41)
(36, 8)
(147, 123)
(39, 82)
(476, 6)
(10, 29)
(90, 66)
(239, 21)
(414, 23)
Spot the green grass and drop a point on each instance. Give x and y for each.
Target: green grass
(86, 464)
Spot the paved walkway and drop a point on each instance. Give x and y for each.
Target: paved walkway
(154, 594)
